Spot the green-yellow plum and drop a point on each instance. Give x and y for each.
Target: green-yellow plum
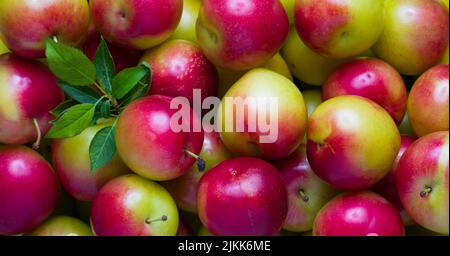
(415, 36)
(262, 89)
(227, 77)
(289, 7)
(352, 142)
(75, 174)
(186, 28)
(133, 206)
(62, 226)
(339, 29)
(307, 65)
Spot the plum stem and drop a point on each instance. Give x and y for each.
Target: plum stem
(37, 143)
(149, 221)
(303, 195)
(426, 192)
(201, 165)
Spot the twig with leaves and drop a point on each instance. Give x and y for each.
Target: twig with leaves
(96, 92)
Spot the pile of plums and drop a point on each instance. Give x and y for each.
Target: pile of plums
(362, 146)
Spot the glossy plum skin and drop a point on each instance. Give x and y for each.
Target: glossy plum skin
(76, 176)
(136, 24)
(387, 187)
(29, 190)
(241, 34)
(27, 90)
(62, 226)
(415, 35)
(307, 193)
(358, 214)
(271, 89)
(372, 79)
(339, 29)
(179, 67)
(428, 102)
(25, 24)
(242, 197)
(133, 206)
(184, 189)
(143, 133)
(123, 58)
(352, 142)
(422, 181)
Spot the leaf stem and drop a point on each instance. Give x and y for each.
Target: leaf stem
(110, 97)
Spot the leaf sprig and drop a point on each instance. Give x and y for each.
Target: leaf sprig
(96, 92)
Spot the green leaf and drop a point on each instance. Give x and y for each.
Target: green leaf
(105, 109)
(142, 89)
(80, 94)
(72, 122)
(102, 148)
(69, 64)
(62, 107)
(128, 79)
(104, 65)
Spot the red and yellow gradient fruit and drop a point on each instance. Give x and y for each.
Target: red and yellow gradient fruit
(133, 206)
(179, 67)
(28, 190)
(238, 34)
(428, 102)
(265, 92)
(372, 79)
(62, 226)
(28, 91)
(422, 181)
(352, 142)
(186, 28)
(184, 189)
(25, 24)
(415, 36)
(358, 214)
(75, 175)
(136, 24)
(242, 197)
(307, 194)
(307, 65)
(387, 187)
(147, 143)
(228, 77)
(339, 29)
